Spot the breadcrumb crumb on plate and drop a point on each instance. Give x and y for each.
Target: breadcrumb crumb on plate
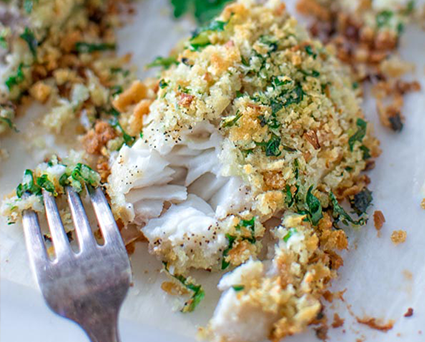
(398, 236)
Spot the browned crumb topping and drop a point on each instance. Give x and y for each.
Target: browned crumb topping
(423, 204)
(376, 324)
(173, 288)
(409, 312)
(378, 220)
(392, 91)
(398, 236)
(338, 321)
(368, 50)
(97, 138)
(322, 332)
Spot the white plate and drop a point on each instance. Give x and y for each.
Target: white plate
(374, 273)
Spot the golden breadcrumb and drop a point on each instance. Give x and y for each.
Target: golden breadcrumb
(398, 236)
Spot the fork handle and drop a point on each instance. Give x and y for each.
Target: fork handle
(102, 329)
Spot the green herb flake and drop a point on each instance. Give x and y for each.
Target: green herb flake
(290, 233)
(361, 201)
(46, 184)
(272, 147)
(200, 37)
(198, 292)
(296, 96)
(202, 10)
(28, 5)
(228, 122)
(14, 80)
(310, 51)
(289, 200)
(128, 139)
(410, 7)
(276, 106)
(314, 207)
(28, 185)
(224, 262)
(84, 47)
(3, 42)
(359, 135)
(117, 89)
(9, 123)
(163, 62)
(238, 288)
(340, 214)
(383, 18)
(80, 175)
(366, 152)
(163, 84)
(124, 72)
(31, 41)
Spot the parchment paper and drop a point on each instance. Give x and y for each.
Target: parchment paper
(381, 280)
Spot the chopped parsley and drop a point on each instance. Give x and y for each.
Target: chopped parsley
(296, 96)
(117, 89)
(383, 18)
(270, 42)
(310, 51)
(198, 292)
(272, 146)
(314, 207)
(228, 122)
(410, 7)
(46, 184)
(84, 47)
(164, 62)
(200, 37)
(361, 201)
(224, 262)
(9, 123)
(250, 225)
(163, 84)
(28, 5)
(396, 122)
(28, 185)
(366, 152)
(3, 42)
(290, 233)
(31, 41)
(359, 135)
(238, 288)
(202, 10)
(14, 80)
(80, 175)
(340, 214)
(289, 200)
(124, 72)
(128, 139)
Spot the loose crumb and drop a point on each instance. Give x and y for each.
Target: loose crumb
(423, 204)
(338, 321)
(374, 324)
(398, 236)
(408, 275)
(378, 220)
(409, 312)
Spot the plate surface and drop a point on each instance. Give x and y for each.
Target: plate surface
(382, 280)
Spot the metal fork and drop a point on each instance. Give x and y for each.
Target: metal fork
(87, 287)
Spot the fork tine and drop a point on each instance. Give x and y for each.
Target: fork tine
(59, 238)
(35, 244)
(104, 216)
(85, 236)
